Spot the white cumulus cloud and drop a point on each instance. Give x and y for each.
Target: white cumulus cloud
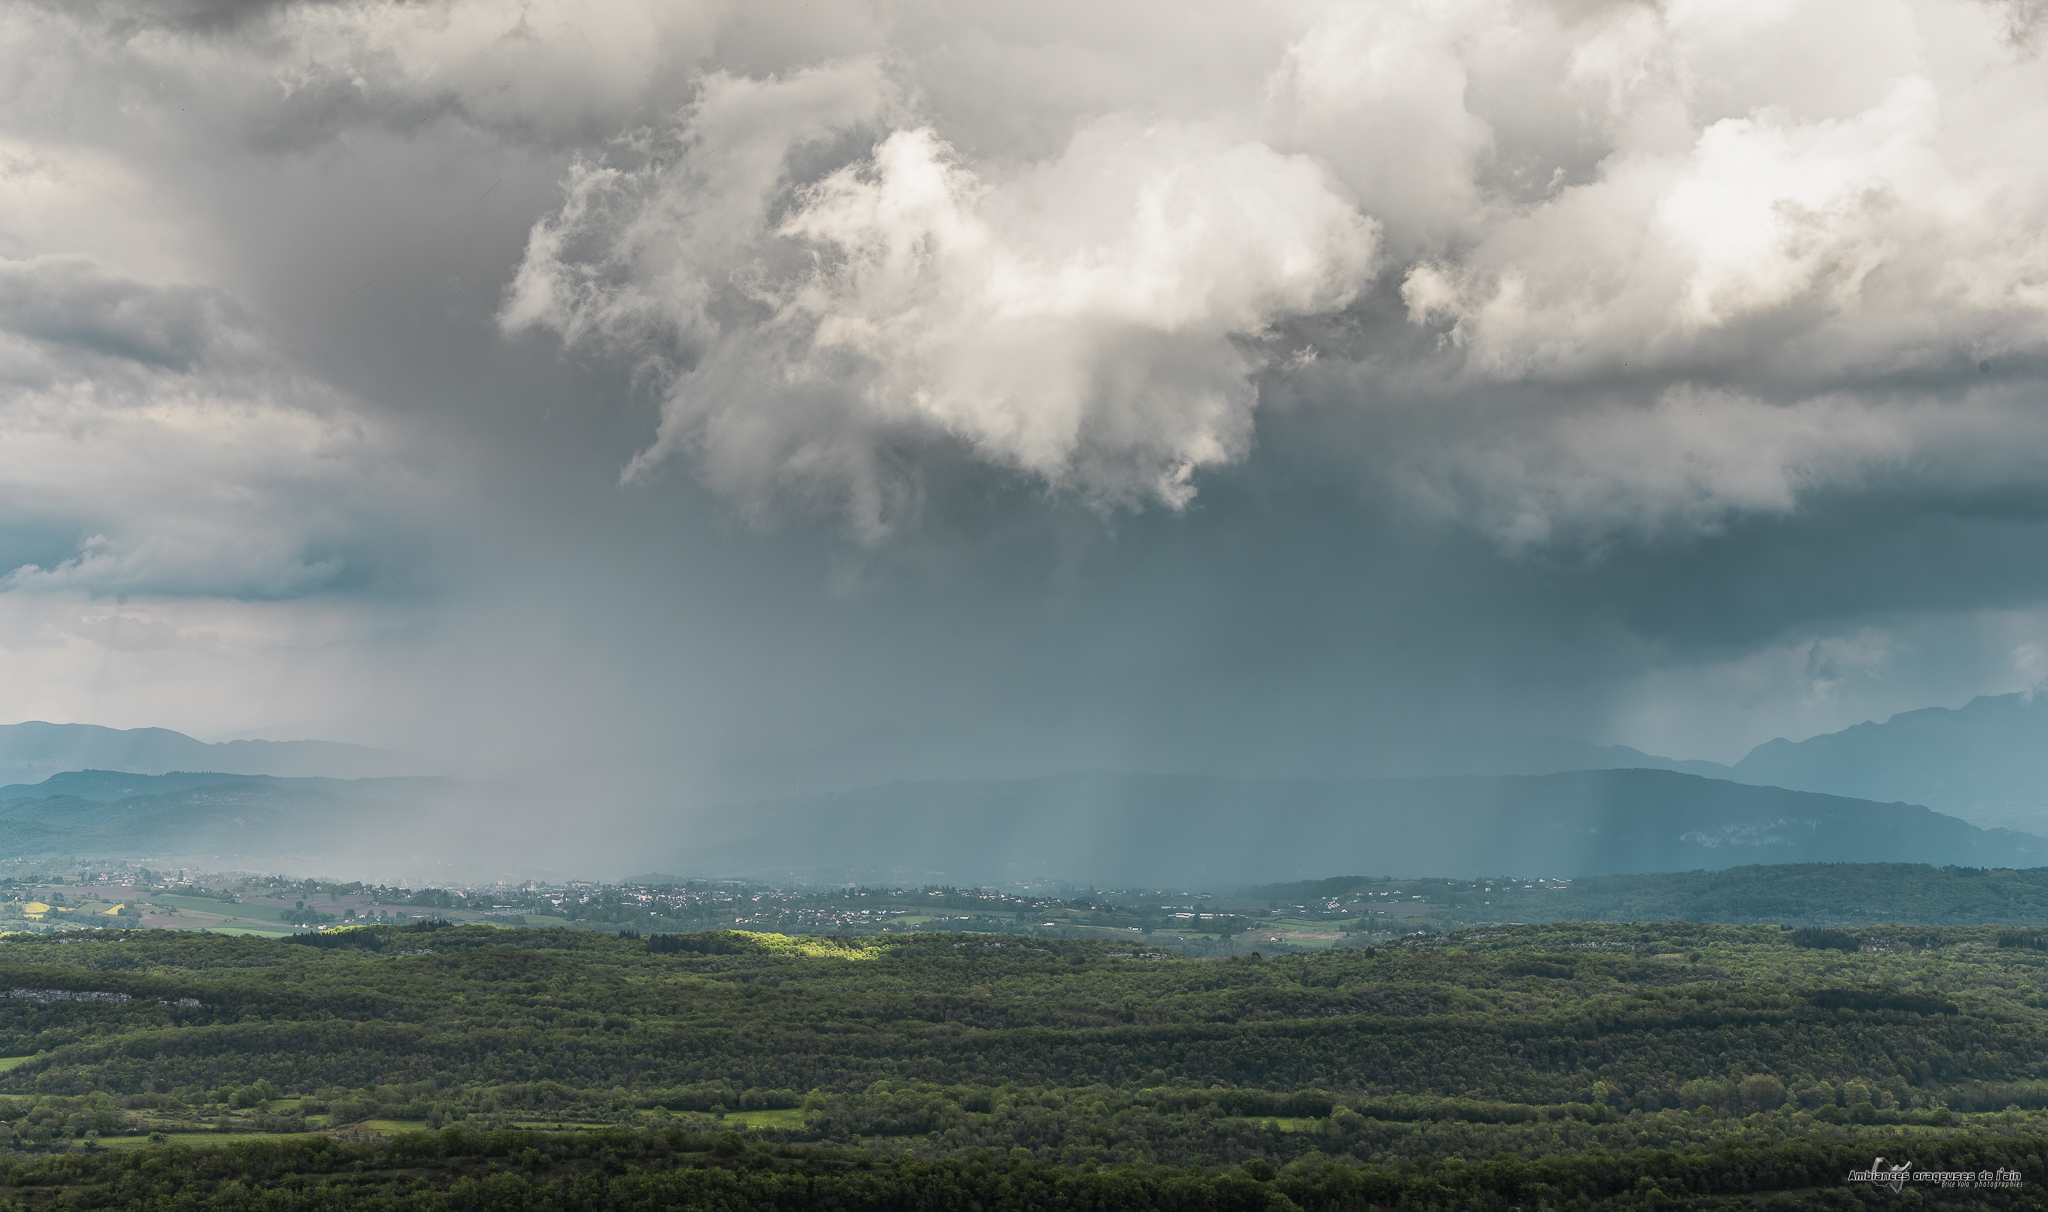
(1077, 322)
(1091, 319)
(838, 273)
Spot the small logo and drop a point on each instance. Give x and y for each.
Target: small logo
(1884, 1174)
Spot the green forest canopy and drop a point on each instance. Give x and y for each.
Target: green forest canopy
(1586, 1041)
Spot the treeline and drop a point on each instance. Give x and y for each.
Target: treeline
(455, 1171)
(1089, 1125)
(709, 942)
(1397, 1023)
(1793, 894)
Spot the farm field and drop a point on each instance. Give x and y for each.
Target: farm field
(191, 1139)
(214, 907)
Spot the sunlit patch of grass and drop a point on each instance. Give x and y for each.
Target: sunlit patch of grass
(818, 948)
(395, 1125)
(790, 1117)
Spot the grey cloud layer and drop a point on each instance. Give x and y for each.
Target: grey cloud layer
(152, 423)
(1198, 381)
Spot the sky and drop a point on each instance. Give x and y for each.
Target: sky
(748, 396)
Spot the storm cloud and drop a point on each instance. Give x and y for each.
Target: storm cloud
(746, 395)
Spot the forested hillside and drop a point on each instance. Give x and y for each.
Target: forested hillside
(1800, 894)
(1592, 1042)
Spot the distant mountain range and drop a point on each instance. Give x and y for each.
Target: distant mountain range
(1527, 805)
(1986, 761)
(201, 816)
(1110, 830)
(880, 755)
(36, 750)
(1175, 830)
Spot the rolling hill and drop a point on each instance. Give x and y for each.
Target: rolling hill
(108, 814)
(1117, 830)
(36, 750)
(1175, 830)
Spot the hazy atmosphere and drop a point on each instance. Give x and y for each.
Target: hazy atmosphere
(728, 401)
